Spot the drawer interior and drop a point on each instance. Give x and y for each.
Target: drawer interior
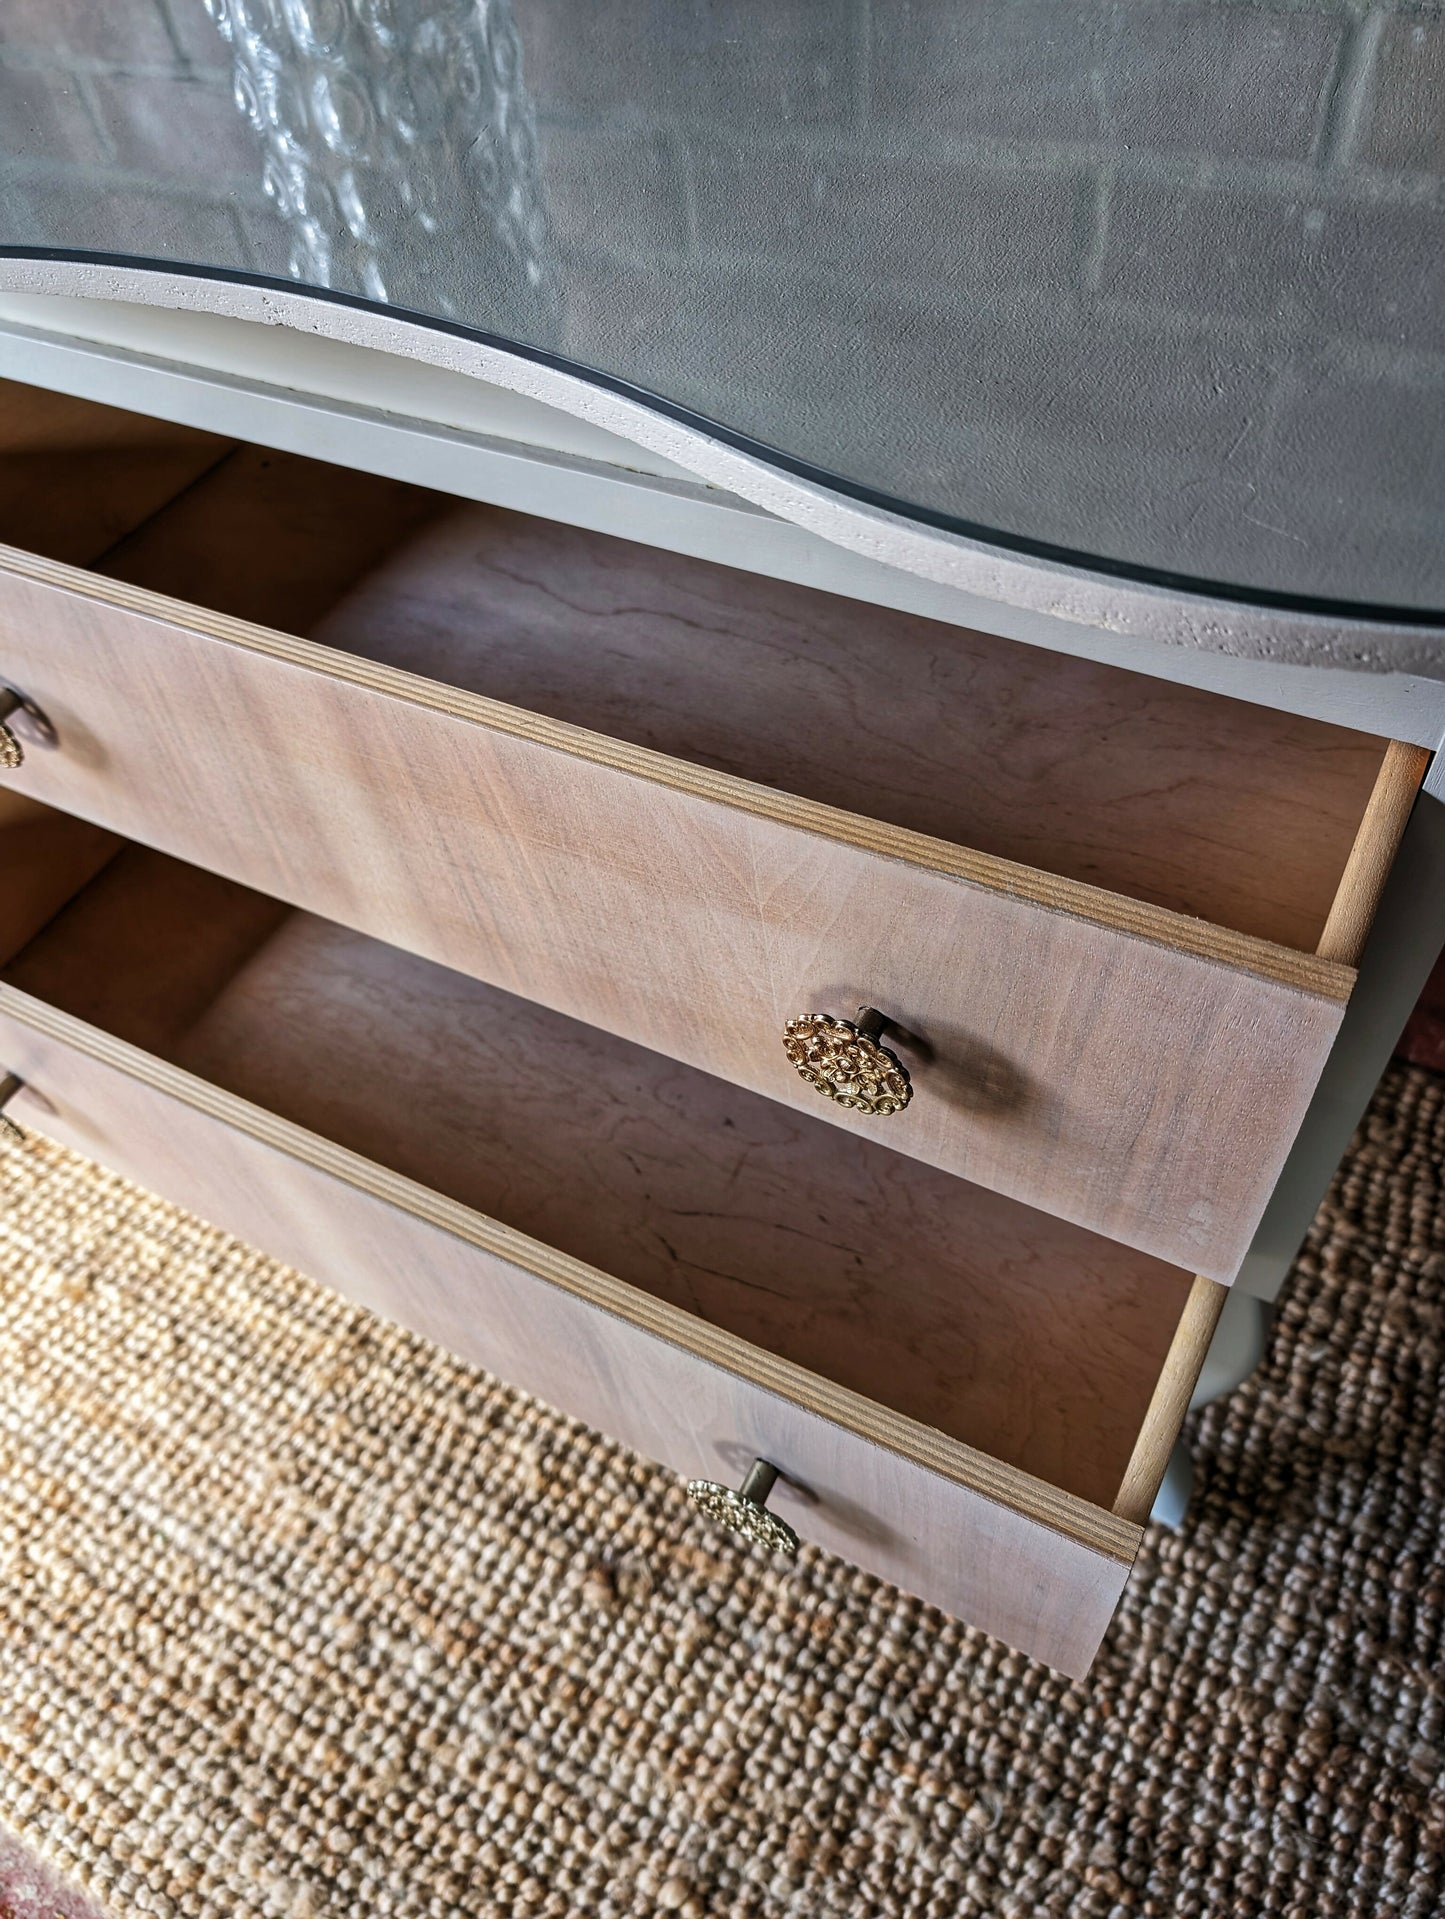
(1032, 1340)
(1208, 806)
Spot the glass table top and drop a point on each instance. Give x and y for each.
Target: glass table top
(1156, 285)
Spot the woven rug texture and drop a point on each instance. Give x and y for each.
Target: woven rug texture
(300, 1618)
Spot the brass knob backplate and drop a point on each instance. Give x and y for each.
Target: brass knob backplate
(744, 1512)
(10, 1085)
(844, 1062)
(12, 753)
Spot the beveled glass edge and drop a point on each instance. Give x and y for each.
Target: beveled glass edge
(1361, 620)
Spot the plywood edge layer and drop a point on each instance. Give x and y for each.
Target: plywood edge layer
(1387, 813)
(1308, 973)
(1382, 826)
(1084, 1524)
(1169, 1402)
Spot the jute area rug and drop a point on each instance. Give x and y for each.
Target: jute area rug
(302, 1619)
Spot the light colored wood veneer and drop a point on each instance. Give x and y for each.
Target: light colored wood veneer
(1149, 789)
(1226, 812)
(45, 859)
(1343, 939)
(372, 1044)
(271, 538)
(76, 477)
(1352, 911)
(705, 803)
(1117, 921)
(1138, 1072)
(1010, 1554)
(998, 1325)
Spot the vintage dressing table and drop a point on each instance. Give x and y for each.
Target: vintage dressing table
(733, 705)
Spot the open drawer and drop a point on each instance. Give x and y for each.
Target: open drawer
(687, 805)
(962, 1394)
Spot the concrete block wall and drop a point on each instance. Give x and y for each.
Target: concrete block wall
(117, 130)
(1184, 237)
(1178, 246)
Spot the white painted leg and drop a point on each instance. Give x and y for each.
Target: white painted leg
(1171, 1502)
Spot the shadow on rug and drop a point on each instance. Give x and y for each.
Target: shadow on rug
(303, 1619)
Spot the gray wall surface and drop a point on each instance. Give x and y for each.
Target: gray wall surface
(1153, 280)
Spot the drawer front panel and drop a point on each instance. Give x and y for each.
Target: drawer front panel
(1012, 1555)
(1140, 1075)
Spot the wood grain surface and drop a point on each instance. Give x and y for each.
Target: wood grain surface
(45, 859)
(1212, 807)
(272, 538)
(1009, 1553)
(1036, 757)
(1001, 1326)
(1228, 812)
(1381, 829)
(682, 804)
(1135, 1071)
(1343, 938)
(1159, 1429)
(76, 477)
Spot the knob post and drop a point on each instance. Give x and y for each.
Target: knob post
(743, 1512)
(759, 1483)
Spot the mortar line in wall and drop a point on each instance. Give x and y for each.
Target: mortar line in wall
(1349, 92)
(1096, 242)
(863, 55)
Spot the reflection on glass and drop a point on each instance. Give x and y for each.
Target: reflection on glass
(1156, 283)
(398, 143)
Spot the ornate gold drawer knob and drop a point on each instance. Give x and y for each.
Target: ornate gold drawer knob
(12, 753)
(745, 1511)
(843, 1061)
(9, 1086)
